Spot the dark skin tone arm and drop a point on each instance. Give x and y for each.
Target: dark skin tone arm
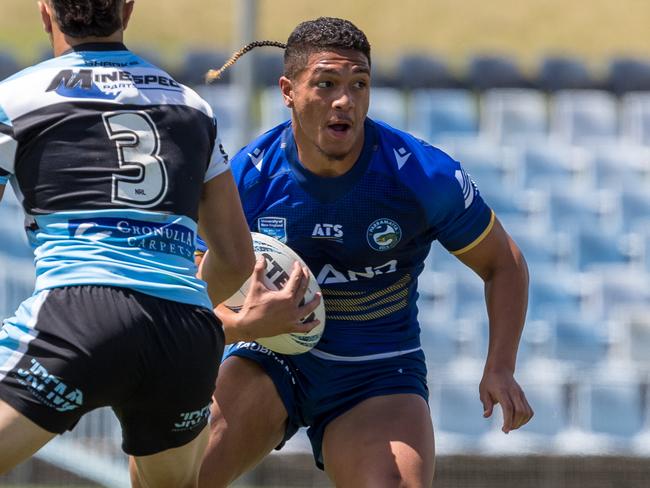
(499, 262)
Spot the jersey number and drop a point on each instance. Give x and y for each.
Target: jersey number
(138, 147)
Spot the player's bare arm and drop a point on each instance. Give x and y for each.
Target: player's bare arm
(2, 191)
(499, 262)
(232, 259)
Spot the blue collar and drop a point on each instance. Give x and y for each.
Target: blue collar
(323, 189)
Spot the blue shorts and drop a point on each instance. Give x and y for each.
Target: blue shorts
(315, 391)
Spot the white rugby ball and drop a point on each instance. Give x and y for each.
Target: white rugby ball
(279, 262)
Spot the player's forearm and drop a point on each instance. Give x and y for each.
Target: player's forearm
(224, 277)
(507, 301)
(234, 331)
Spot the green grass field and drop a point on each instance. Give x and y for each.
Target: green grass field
(526, 29)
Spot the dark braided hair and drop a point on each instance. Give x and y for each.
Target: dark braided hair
(215, 74)
(308, 37)
(85, 18)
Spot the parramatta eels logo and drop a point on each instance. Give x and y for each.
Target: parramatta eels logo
(384, 234)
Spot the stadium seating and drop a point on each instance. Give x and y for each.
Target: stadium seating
(416, 71)
(487, 71)
(563, 73)
(635, 118)
(628, 74)
(514, 115)
(436, 114)
(567, 170)
(8, 65)
(584, 117)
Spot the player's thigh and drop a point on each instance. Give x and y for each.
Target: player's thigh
(19, 437)
(384, 441)
(174, 468)
(248, 421)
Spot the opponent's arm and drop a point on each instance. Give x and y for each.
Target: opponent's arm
(2, 191)
(223, 226)
(499, 262)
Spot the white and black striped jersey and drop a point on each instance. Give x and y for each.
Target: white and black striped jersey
(108, 155)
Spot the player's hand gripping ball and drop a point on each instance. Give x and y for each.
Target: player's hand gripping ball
(279, 262)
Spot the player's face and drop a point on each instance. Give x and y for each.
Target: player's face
(330, 98)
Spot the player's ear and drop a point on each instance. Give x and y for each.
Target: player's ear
(46, 16)
(126, 13)
(286, 87)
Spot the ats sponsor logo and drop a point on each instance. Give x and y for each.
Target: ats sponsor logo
(85, 83)
(332, 232)
(191, 420)
(49, 389)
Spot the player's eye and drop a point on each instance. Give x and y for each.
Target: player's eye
(324, 84)
(360, 84)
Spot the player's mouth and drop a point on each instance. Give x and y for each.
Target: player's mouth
(339, 129)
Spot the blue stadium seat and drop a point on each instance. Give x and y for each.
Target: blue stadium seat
(388, 104)
(621, 166)
(622, 286)
(487, 71)
(8, 65)
(517, 208)
(628, 74)
(549, 166)
(584, 117)
(415, 70)
(554, 292)
(635, 118)
(16, 283)
(564, 73)
(635, 203)
(226, 102)
(490, 165)
(437, 338)
(597, 247)
(268, 66)
(197, 63)
(580, 340)
(595, 209)
(514, 115)
(436, 114)
(542, 248)
(272, 108)
(437, 297)
(613, 404)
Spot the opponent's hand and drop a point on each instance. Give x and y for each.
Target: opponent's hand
(267, 313)
(501, 387)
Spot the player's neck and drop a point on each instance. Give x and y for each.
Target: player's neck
(317, 162)
(62, 43)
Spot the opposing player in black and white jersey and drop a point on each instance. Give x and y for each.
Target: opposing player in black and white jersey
(114, 163)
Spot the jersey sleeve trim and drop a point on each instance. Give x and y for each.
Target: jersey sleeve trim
(8, 147)
(3, 180)
(478, 240)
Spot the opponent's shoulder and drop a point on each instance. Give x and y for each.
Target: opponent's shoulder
(262, 158)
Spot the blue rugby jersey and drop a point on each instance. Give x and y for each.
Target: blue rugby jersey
(108, 155)
(365, 234)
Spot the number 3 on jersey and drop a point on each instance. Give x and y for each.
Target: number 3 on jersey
(138, 147)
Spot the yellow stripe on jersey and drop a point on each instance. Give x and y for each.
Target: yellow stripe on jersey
(478, 240)
(375, 305)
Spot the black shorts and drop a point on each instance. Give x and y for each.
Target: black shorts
(70, 350)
